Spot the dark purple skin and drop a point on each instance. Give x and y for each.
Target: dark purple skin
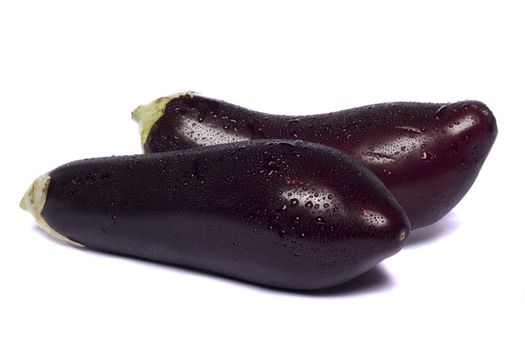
(286, 214)
(427, 154)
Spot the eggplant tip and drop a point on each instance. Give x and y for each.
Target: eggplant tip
(147, 115)
(33, 202)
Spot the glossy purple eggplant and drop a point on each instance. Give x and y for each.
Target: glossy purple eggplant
(287, 214)
(427, 154)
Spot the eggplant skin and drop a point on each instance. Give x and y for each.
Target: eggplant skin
(427, 154)
(287, 214)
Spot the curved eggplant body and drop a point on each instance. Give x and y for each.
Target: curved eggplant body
(280, 213)
(427, 154)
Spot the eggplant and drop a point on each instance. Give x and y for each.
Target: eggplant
(427, 154)
(287, 214)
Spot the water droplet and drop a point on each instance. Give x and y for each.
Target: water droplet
(114, 217)
(283, 208)
(426, 156)
(294, 201)
(319, 220)
(235, 244)
(309, 204)
(326, 205)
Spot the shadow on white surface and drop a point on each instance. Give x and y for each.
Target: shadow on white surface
(428, 234)
(373, 281)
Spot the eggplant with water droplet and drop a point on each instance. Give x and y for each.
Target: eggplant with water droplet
(279, 213)
(427, 154)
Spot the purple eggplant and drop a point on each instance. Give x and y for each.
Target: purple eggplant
(288, 214)
(427, 154)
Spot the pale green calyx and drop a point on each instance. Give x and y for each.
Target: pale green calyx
(33, 202)
(147, 115)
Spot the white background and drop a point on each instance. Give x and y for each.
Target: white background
(71, 73)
